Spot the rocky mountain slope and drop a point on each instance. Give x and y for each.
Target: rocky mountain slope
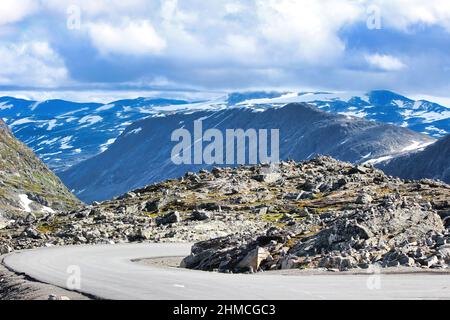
(142, 154)
(64, 133)
(26, 184)
(319, 213)
(432, 163)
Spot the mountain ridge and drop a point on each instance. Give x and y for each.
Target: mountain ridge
(63, 133)
(433, 163)
(142, 154)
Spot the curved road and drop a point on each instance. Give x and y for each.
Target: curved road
(106, 271)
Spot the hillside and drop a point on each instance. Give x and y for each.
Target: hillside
(26, 184)
(63, 133)
(433, 163)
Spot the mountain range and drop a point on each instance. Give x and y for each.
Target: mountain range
(142, 154)
(103, 150)
(64, 133)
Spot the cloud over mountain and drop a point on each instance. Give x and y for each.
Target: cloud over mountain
(235, 44)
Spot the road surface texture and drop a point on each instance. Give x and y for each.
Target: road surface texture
(107, 271)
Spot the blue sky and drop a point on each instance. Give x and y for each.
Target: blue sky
(353, 45)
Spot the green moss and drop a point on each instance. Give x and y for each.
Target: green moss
(327, 209)
(152, 215)
(272, 217)
(52, 227)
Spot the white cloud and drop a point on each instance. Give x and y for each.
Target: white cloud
(308, 30)
(385, 62)
(234, 7)
(31, 64)
(98, 8)
(129, 38)
(402, 14)
(15, 10)
(223, 42)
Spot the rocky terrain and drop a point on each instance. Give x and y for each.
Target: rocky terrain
(316, 214)
(333, 215)
(26, 184)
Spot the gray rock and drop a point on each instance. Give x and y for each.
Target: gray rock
(364, 199)
(200, 215)
(431, 261)
(5, 249)
(156, 205)
(253, 259)
(173, 217)
(30, 218)
(31, 232)
(445, 253)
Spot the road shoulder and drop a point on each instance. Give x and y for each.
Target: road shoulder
(14, 286)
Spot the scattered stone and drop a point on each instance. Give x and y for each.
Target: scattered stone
(173, 217)
(200, 215)
(30, 218)
(364, 199)
(156, 205)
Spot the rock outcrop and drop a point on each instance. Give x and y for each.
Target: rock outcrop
(340, 217)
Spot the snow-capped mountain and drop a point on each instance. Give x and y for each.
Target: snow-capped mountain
(143, 153)
(64, 133)
(383, 106)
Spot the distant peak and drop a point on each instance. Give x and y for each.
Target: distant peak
(384, 96)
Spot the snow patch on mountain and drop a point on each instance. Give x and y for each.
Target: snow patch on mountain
(106, 145)
(52, 124)
(5, 106)
(105, 107)
(90, 120)
(20, 122)
(25, 202)
(65, 143)
(416, 145)
(134, 131)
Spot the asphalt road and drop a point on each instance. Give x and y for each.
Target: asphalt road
(107, 271)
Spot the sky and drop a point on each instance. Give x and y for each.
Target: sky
(86, 47)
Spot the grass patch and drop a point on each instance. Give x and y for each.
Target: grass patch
(272, 217)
